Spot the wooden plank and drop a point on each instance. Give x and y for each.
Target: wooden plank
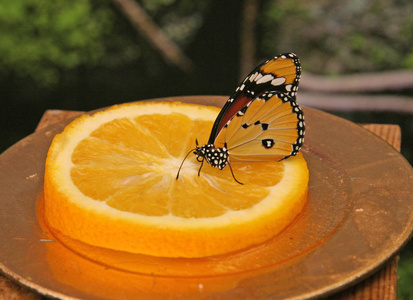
(390, 133)
(381, 285)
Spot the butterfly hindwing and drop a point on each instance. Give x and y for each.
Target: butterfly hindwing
(269, 127)
(280, 74)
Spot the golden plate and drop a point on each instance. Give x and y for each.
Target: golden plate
(359, 214)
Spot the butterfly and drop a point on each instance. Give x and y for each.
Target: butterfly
(261, 121)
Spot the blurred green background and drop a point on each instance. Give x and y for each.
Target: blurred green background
(88, 54)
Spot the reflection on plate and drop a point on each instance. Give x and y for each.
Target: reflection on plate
(360, 212)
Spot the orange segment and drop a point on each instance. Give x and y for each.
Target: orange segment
(154, 197)
(110, 182)
(178, 124)
(125, 133)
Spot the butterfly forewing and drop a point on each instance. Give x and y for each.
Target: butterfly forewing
(281, 74)
(284, 67)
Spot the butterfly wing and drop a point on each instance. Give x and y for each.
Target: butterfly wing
(269, 127)
(279, 74)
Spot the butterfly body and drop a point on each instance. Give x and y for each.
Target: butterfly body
(216, 157)
(261, 121)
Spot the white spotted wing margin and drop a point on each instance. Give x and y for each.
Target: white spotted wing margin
(270, 127)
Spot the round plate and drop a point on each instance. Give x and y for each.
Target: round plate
(359, 214)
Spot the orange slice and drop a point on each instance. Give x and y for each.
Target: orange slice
(110, 182)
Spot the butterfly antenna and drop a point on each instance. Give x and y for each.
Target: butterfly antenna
(182, 163)
(233, 176)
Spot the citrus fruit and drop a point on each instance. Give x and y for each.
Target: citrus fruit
(110, 181)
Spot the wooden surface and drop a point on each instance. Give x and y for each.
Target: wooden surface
(382, 285)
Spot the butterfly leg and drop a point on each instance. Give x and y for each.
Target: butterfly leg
(199, 171)
(233, 176)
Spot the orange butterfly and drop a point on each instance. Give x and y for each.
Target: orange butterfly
(261, 121)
